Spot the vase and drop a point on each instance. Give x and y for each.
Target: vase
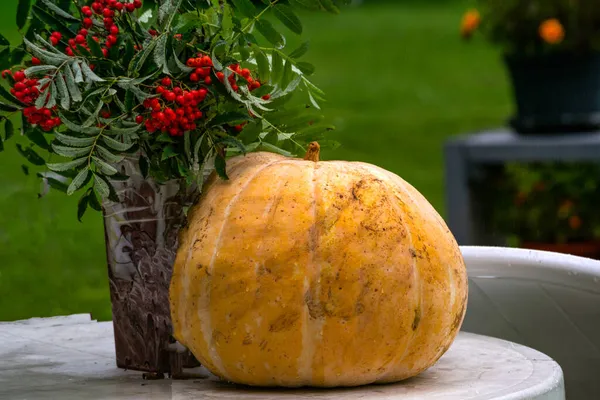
(555, 93)
(141, 232)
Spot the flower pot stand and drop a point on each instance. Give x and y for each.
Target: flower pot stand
(466, 156)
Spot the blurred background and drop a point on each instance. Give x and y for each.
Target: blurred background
(399, 80)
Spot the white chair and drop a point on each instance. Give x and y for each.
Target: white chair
(546, 301)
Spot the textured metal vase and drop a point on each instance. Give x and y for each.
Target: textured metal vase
(141, 241)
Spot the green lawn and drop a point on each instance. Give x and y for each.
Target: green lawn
(399, 82)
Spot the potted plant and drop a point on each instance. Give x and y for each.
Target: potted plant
(551, 51)
(545, 206)
(132, 103)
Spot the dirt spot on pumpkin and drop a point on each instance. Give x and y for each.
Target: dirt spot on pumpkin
(247, 340)
(284, 322)
(417, 319)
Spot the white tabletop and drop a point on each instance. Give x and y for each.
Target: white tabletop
(73, 358)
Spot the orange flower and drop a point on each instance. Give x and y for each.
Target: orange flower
(575, 222)
(552, 31)
(470, 23)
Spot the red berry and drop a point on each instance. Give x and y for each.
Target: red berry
(130, 7)
(69, 52)
(137, 3)
(105, 114)
(105, 52)
(19, 76)
(79, 39)
(208, 80)
(97, 7)
(86, 9)
(112, 39)
(238, 128)
(169, 96)
(119, 6)
(160, 89)
(57, 35)
(83, 32)
(221, 76)
(114, 30)
(108, 22)
(180, 100)
(166, 81)
(178, 91)
(245, 73)
(266, 97)
(87, 23)
(160, 116)
(139, 119)
(35, 61)
(194, 77)
(235, 87)
(54, 40)
(108, 13)
(152, 32)
(206, 61)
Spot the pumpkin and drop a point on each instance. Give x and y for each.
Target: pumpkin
(306, 273)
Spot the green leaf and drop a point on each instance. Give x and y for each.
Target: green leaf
(25, 170)
(329, 5)
(73, 152)
(274, 149)
(229, 118)
(82, 206)
(31, 155)
(78, 128)
(59, 11)
(288, 75)
(52, 21)
(44, 55)
(4, 41)
(106, 168)
(89, 74)
(268, 31)
(245, 7)
(116, 145)
(74, 141)
(221, 167)
(264, 68)
(60, 167)
(168, 152)
(140, 58)
(277, 72)
(65, 98)
(287, 16)
(72, 85)
(182, 67)
(38, 138)
(93, 201)
(301, 50)
(250, 132)
(1, 144)
(78, 73)
(230, 140)
(54, 183)
(9, 129)
(8, 108)
(22, 13)
(160, 54)
(6, 95)
(101, 187)
(95, 47)
(78, 181)
(108, 156)
(305, 67)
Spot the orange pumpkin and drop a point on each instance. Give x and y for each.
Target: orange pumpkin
(299, 272)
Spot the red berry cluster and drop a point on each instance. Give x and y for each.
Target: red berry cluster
(203, 65)
(105, 9)
(27, 92)
(177, 112)
(246, 74)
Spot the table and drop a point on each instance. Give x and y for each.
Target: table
(465, 155)
(73, 358)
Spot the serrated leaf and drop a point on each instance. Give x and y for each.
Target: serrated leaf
(216, 63)
(168, 152)
(60, 167)
(101, 187)
(82, 206)
(59, 11)
(9, 129)
(72, 85)
(301, 50)
(78, 181)
(160, 54)
(71, 152)
(221, 167)
(140, 58)
(78, 72)
(47, 45)
(277, 71)
(94, 47)
(93, 201)
(250, 132)
(124, 131)
(44, 55)
(305, 67)
(108, 156)
(77, 128)
(91, 120)
(264, 70)
(288, 75)
(270, 33)
(116, 145)
(65, 98)
(22, 13)
(52, 100)
(74, 141)
(182, 67)
(89, 74)
(38, 138)
(245, 7)
(106, 168)
(287, 16)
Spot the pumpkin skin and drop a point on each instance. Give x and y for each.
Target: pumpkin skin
(303, 273)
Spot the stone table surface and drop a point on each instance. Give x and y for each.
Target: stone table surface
(73, 358)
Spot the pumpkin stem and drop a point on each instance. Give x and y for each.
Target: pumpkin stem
(313, 152)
